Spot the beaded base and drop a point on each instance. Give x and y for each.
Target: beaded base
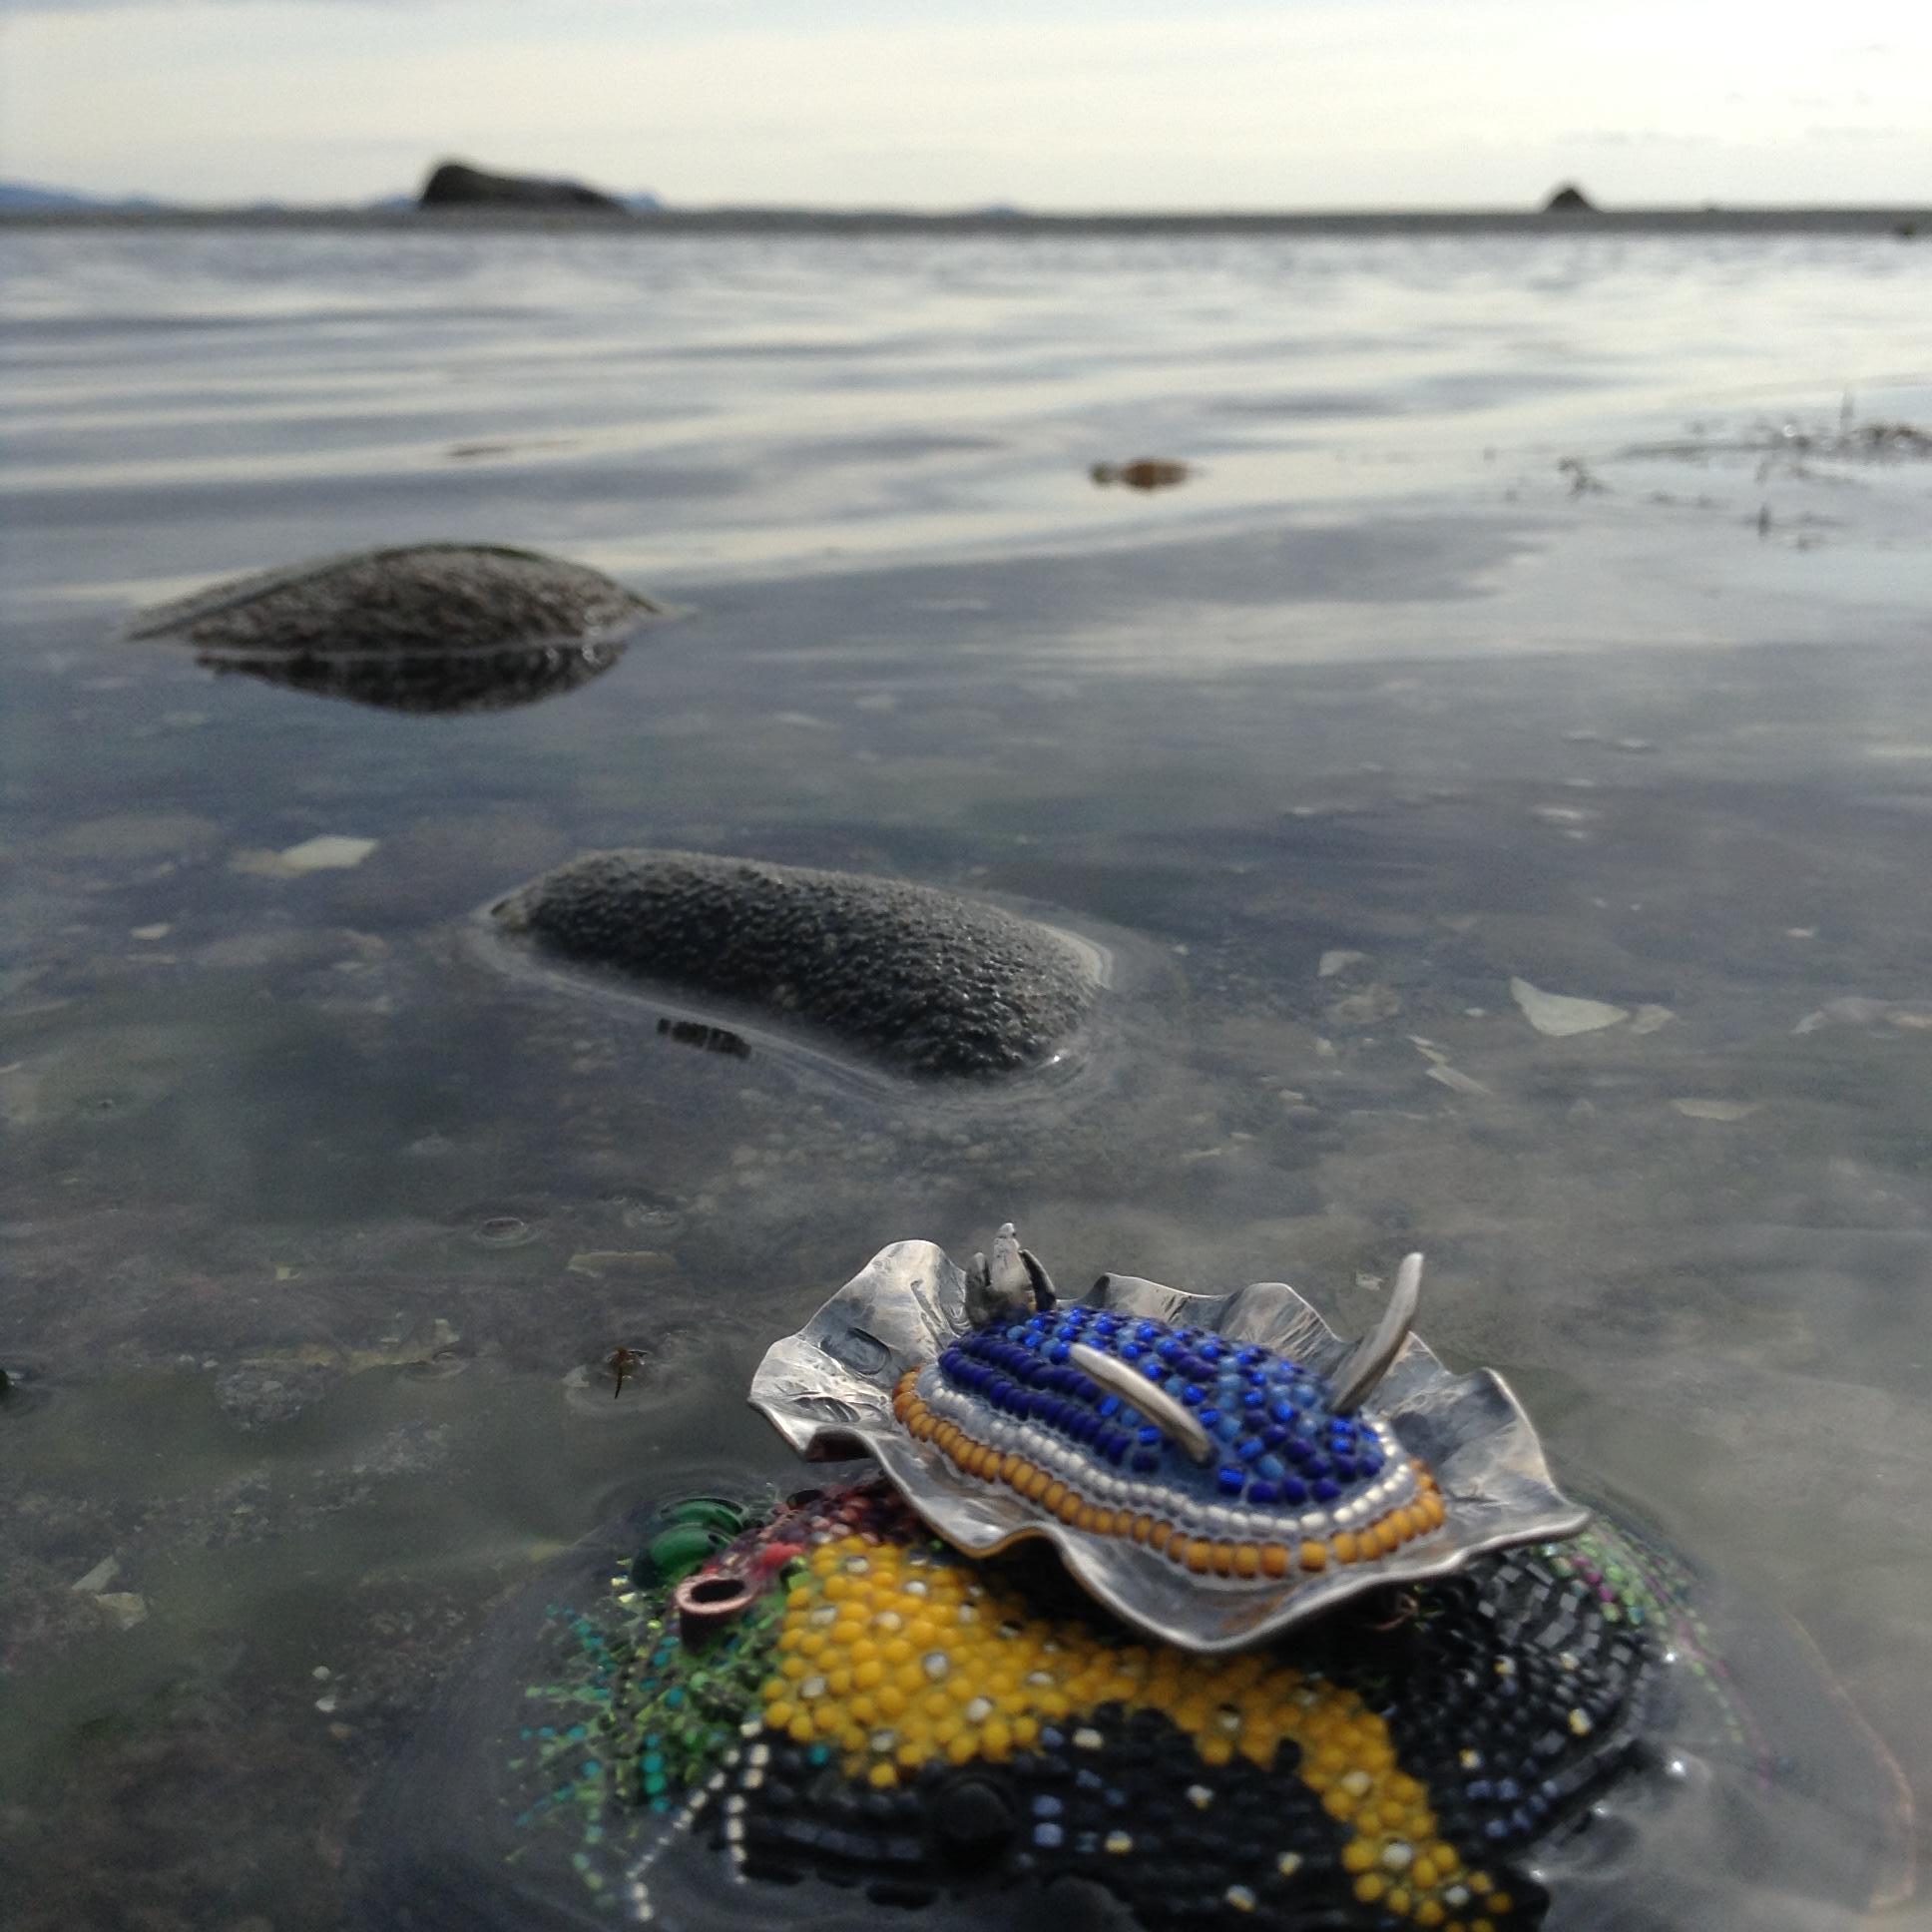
(894, 1716)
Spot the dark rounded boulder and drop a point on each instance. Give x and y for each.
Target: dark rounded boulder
(455, 183)
(429, 627)
(426, 598)
(929, 983)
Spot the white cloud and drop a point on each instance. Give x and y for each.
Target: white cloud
(1303, 102)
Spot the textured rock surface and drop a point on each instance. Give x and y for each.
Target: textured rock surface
(454, 184)
(931, 983)
(428, 598)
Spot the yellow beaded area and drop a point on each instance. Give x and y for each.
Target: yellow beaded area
(898, 1658)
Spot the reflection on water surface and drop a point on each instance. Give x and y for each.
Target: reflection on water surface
(1374, 718)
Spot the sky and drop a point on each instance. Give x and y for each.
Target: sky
(938, 104)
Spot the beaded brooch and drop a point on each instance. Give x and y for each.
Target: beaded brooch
(1205, 1465)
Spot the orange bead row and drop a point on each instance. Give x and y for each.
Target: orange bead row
(1203, 1555)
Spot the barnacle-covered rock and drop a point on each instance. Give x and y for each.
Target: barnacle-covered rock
(926, 981)
(428, 628)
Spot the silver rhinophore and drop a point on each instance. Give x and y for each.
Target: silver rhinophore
(829, 1391)
(1174, 1421)
(1358, 1375)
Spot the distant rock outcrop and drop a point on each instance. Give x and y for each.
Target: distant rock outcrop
(454, 184)
(1569, 200)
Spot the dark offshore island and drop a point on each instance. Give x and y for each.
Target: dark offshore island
(459, 191)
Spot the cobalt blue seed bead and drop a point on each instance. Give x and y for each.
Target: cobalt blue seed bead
(1294, 1492)
(1231, 1482)
(1131, 1351)
(1148, 1436)
(1146, 1462)
(1326, 1490)
(1153, 1371)
(1262, 1495)
(1248, 1448)
(1282, 1412)
(1344, 1469)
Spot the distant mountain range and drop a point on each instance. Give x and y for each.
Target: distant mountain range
(31, 197)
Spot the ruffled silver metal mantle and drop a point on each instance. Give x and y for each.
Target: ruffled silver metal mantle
(829, 1391)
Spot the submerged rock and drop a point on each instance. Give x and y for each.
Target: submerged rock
(1562, 1014)
(428, 628)
(930, 983)
(454, 184)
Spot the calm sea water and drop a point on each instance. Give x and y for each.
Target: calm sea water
(1548, 611)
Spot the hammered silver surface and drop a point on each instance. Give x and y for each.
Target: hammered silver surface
(829, 1391)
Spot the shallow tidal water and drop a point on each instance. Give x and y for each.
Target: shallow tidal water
(1542, 616)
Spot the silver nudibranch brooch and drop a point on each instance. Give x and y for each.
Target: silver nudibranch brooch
(1208, 1466)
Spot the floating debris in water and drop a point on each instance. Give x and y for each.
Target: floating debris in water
(328, 852)
(1338, 960)
(706, 1038)
(1562, 1014)
(1717, 1110)
(1908, 1016)
(600, 1262)
(1143, 473)
(1442, 1071)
